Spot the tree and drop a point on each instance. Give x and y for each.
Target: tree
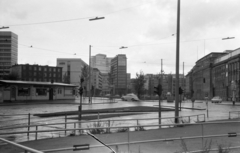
(139, 83)
(85, 76)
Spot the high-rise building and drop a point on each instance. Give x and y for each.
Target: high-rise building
(101, 62)
(119, 72)
(8, 52)
(71, 69)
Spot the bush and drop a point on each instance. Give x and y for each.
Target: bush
(97, 128)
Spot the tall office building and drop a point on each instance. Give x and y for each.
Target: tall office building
(119, 72)
(101, 62)
(8, 52)
(71, 69)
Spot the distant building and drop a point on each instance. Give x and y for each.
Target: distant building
(128, 82)
(8, 52)
(71, 69)
(97, 81)
(119, 72)
(101, 62)
(26, 72)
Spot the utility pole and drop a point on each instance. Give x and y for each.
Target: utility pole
(177, 65)
(159, 100)
(90, 100)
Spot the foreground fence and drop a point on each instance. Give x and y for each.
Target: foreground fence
(64, 126)
(201, 132)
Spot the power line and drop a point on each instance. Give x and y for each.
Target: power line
(75, 19)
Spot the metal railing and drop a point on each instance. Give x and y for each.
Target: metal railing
(108, 129)
(106, 125)
(26, 149)
(237, 113)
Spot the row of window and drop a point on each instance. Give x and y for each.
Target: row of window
(39, 91)
(41, 68)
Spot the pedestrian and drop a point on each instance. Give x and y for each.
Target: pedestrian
(192, 99)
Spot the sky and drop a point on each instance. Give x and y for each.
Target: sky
(51, 29)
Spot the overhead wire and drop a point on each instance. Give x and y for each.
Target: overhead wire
(74, 19)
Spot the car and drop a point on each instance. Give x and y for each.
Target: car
(130, 97)
(216, 99)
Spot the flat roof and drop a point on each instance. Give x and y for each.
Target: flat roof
(36, 83)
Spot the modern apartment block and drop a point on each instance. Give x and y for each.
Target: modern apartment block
(8, 52)
(26, 72)
(71, 69)
(119, 72)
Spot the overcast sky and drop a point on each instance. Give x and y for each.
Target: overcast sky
(146, 27)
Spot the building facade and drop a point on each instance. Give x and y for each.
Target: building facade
(8, 52)
(97, 82)
(39, 73)
(119, 72)
(214, 74)
(101, 62)
(71, 69)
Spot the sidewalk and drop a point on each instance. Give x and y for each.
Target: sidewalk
(151, 147)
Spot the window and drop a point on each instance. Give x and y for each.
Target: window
(62, 63)
(41, 92)
(24, 91)
(59, 91)
(39, 68)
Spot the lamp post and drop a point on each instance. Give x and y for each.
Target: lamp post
(177, 65)
(90, 99)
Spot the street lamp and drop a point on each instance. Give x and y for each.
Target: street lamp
(228, 38)
(97, 18)
(4, 27)
(123, 47)
(90, 100)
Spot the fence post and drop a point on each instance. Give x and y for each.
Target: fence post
(189, 120)
(65, 124)
(36, 132)
(74, 128)
(137, 122)
(108, 126)
(198, 118)
(128, 138)
(229, 117)
(202, 135)
(28, 125)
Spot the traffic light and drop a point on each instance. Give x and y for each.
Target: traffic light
(158, 90)
(80, 90)
(180, 91)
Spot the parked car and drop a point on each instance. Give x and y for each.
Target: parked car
(130, 97)
(216, 99)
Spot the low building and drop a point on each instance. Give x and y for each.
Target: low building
(12, 90)
(27, 72)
